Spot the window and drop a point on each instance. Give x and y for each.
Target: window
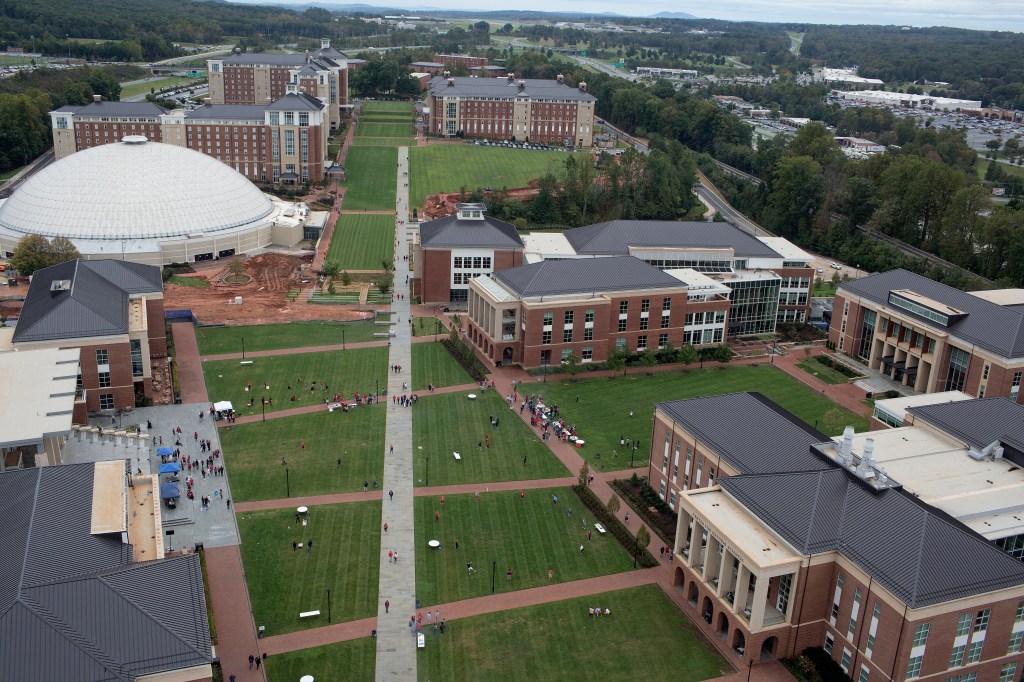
(662, 340)
(1006, 674)
(914, 666)
(136, 346)
(641, 343)
(548, 319)
(645, 305)
(875, 614)
(957, 373)
(785, 586)
(921, 634)
(835, 599)
(864, 673)
(665, 320)
(984, 371)
(981, 620)
(275, 118)
(457, 262)
(620, 344)
(566, 352)
(289, 143)
(622, 325)
(106, 401)
(666, 305)
(974, 651)
(1016, 639)
(545, 337)
(587, 354)
(303, 118)
(963, 625)
(845, 662)
(289, 118)
(853, 613)
(623, 307)
(568, 316)
(101, 357)
(956, 658)
(567, 336)
(829, 642)
(589, 316)
(104, 378)
(643, 322)
(1015, 387)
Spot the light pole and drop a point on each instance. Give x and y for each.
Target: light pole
(243, 348)
(428, 470)
(636, 550)
(263, 408)
(636, 444)
(328, 605)
(287, 483)
(376, 390)
(494, 569)
(544, 361)
(343, 338)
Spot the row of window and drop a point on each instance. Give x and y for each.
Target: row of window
(476, 262)
(464, 277)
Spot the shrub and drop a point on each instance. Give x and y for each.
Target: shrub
(663, 521)
(840, 367)
(613, 526)
(465, 356)
(824, 665)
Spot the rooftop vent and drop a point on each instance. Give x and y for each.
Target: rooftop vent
(447, 74)
(560, 78)
(511, 77)
(993, 450)
(325, 43)
(134, 139)
(58, 285)
(522, 85)
(451, 82)
(97, 98)
(583, 86)
(846, 448)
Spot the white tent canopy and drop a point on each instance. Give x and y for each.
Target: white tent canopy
(223, 406)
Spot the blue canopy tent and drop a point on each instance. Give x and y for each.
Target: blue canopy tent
(165, 451)
(170, 468)
(169, 491)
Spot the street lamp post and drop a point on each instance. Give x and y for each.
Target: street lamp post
(263, 408)
(243, 348)
(636, 444)
(287, 483)
(376, 390)
(545, 361)
(494, 569)
(428, 469)
(328, 605)
(343, 339)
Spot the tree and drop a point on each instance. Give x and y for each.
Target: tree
(722, 354)
(572, 366)
(833, 421)
(648, 359)
(584, 478)
(331, 268)
(235, 266)
(34, 252)
(687, 354)
(346, 278)
(613, 503)
(616, 359)
(667, 353)
(384, 282)
(643, 538)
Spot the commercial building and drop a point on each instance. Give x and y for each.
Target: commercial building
(904, 100)
(932, 337)
(848, 76)
(858, 147)
(670, 74)
(785, 543)
(151, 203)
(281, 141)
(112, 313)
(540, 314)
(531, 110)
(258, 79)
(450, 251)
(768, 278)
(466, 60)
(87, 592)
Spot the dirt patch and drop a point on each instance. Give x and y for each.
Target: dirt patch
(441, 205)
(264, 299)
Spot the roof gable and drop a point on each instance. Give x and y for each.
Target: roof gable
(585, 275)
(617, 236)
(451, 232)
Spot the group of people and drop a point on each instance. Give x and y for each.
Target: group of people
(416, 622)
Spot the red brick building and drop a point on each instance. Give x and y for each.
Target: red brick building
(113, 311)
(540, 314)
(932, 337)
(466, 60)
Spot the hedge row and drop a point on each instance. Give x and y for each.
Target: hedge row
(613, 525)
(840, 367)
(664, 525)
(465, 356)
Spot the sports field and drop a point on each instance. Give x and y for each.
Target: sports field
(383, 129)
(253, 454)
(450, 167)
(217, 340)
(361, 242)
(371, 179)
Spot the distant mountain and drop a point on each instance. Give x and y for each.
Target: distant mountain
(672, 15)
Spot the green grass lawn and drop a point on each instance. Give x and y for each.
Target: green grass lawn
(824, 289)
(391, 107)
(428, 326)
(602, 415)
(215, 340)
(559, 641)
(528, 535)
(345, 372)
(383, 129)
(372, 179)
(254, 451)
(1011, 169)
(381, 142)
(361, 242)
(195, 282)
(450, 167)
(826, 374)
(284, 582)
(153, 86)
(356, 657)
(452, 423)
(432, 364)
(7, 175)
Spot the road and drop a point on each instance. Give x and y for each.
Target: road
(709, 194)
(604, 68)
(41, 162)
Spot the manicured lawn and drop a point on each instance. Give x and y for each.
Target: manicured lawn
(383, 129)
(602, 415)
(386, 107)
(1011, 169)
(154, 85)
(826, 374)
(450, 167)
(196, 282)
(825, 289)
(432, 364)
(559, 641)
(253, 454)
(381, 142)
(284, 582)
(356, 657)
(372, 179)
(528, 535)
(345, 372)
(215, 340)
(428, 326)
(452, 423)
(361, 242)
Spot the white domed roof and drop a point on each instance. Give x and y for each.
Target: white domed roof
(134, 189)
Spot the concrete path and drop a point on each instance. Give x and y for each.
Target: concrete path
(396, 647)
(191, 382)
(236, 633)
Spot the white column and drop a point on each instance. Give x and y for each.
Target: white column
(742, 587)
(758, 605)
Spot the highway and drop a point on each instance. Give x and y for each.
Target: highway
(709, 194)
(41, 162)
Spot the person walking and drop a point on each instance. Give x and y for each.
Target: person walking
(385, 528)
(391, 494)
(387, 605)
(251, 659)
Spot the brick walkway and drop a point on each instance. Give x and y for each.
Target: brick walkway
(190, 370)
(236, 633)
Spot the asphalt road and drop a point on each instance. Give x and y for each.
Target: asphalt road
(709, 195)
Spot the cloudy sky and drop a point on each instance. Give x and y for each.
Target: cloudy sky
(1003, 15)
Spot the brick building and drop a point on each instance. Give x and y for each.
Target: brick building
(532, 110)
(540, 314)
(113, 312)
(789, 545)
(932, 337)
(769, 279)
(466, 60)
(450, 251)
(283, 141)
(258, 79)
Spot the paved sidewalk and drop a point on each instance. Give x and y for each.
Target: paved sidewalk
(190, 370)
(396, 648)
(236, 633)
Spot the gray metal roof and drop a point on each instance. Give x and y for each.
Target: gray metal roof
(433, 65)
(915, 551)
(466, 86)
(767, 439)
(95, 303)
(978, 423)
(147, 109)
(617, 236)
(234, 112)
(585, 275)
(996, 328)
(450, 232)
(73, 606)
(256, 58)
(294, 101)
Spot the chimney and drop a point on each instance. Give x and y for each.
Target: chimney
(451, 82)
(867, 459)
(447, 74)
(511, 77)
(846, 448)
(583, 86)
(238, 50)
(207, 100)
(560, 78)
(522, 85)
(97, 98)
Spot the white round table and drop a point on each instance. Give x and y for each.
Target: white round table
(434, 544)
(306, 678)
(471, 396)
(302, 510)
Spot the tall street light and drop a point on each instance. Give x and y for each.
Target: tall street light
(494, 569)
(343, 338)
(263, 407)
(243, 348)
(287, 483)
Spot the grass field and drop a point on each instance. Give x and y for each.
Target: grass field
(7, 175)
(602, 415)
(215, 340)
(391, 107)
(345, 372)
(380, 142)
(372, 179)
(432, 364)
(254, 452)
(283, 582)
(450, 167)
(361, 242)
(529, 535)
(559, 641)
(451, 423)
(195, 282)
(154, 85)
(383, 129)
(428, 326)
(826, 374)
(357, 657)
(824, 289)
(982, 166)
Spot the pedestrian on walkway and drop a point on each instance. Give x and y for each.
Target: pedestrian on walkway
(392, 450)
(309, 546)
(387, 605)
(391, 493)
(385, 528)
(295, 545)
(251, 659)
(590, 536)
(522, 496)
(258, 663)
(396, 556)
(663, 552)
(232, 678)
(391, 556)
(627, 518)
(229, 503)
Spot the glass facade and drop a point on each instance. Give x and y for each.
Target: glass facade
(136, 347)
(753, 307)
(867, 334)
(958, 361)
